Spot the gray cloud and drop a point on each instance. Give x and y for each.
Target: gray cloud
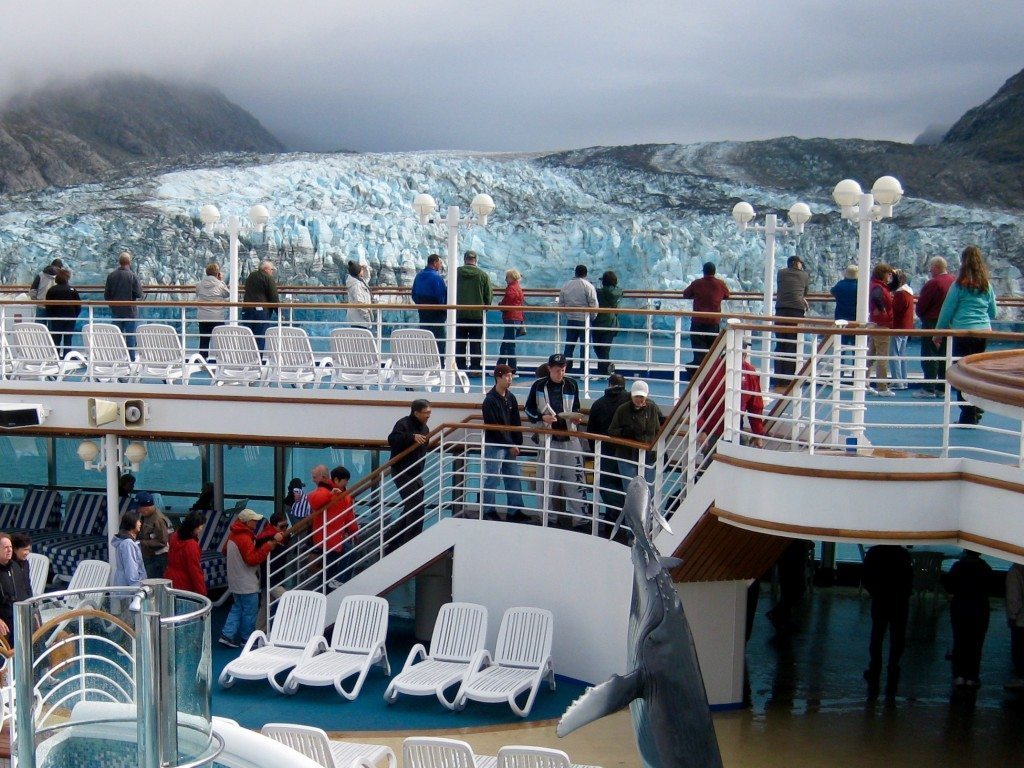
(539, 75)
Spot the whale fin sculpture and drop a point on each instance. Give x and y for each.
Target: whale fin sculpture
(664, 688)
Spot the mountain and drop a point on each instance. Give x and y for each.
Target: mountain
(70, 134)
(994, 130)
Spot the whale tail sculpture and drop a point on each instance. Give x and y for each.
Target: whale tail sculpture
(664, 688)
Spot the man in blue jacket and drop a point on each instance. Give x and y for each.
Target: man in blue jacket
(501, 447)
(429, 288)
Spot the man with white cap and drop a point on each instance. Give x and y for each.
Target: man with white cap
(244, 558)
(638, 420)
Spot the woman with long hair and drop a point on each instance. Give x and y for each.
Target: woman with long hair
(183, 567)
(128, 569)
(880, 316)
(358, 292)
(903, 320)
(512, 318)
(969, 305)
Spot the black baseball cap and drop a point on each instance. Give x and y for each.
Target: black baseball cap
(558, 360)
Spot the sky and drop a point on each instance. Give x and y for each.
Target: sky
(540, 75)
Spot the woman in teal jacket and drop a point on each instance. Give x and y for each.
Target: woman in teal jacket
(969, 305)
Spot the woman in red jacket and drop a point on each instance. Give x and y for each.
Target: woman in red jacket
(880, 316)
(512, 318)
(183, 567)
(902, 319)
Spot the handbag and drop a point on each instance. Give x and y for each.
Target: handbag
(520, 330)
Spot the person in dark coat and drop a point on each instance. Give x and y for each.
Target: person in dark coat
(409, 431)
(12, 588)
(601, 413)
(889, 578)
(968, 582)
(63, 317)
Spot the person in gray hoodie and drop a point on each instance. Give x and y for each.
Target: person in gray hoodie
(210, 288)
(129, 570)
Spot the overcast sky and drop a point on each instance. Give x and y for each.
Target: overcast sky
(535, 75)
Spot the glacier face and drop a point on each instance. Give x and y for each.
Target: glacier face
(653, 226)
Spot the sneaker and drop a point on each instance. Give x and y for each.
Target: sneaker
(333, 584)
(924, 394)
(227, 642)
(871, 390)
(885, 393)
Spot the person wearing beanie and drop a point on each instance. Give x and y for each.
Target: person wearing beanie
(638, 420)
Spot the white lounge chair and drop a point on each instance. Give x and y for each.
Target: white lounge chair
(356, 360)
(437, 752)
(528, 757)
(160, 355)
(416, 361)
(294, 636)
(38, 568)
(89, 574)
(357, 643)
(522, 659)
(34, 355)
(290, 358)
(456, 648)
(106, 353)
(238, 358)
(314, 744)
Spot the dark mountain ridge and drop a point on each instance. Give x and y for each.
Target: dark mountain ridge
(70, 134)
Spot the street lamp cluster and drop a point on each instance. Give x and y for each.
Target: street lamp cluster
(258, 218)
(482, 206)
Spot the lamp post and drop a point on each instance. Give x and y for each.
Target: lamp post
(258, 218)
(110, 457)
(482, 206)
(799, 214)
(864, 209)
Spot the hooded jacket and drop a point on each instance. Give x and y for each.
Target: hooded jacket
(244, 559)
(358, 292)
(129, 571)
(183, 568)
(211, 288)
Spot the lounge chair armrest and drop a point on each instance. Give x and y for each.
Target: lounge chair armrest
(418, 651)
(256, 639)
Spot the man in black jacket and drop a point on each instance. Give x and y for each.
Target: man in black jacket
(12, 587)
(409, 431)
(501, 448)
(601, 413)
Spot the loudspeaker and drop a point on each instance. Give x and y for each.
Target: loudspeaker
(13, 415)
(134, 413)
(101, 412)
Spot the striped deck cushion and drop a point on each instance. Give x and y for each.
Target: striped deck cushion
(215, 569)
(67, 550)
(86, 514)
(40, 510)
(8, 511)
(216, 530)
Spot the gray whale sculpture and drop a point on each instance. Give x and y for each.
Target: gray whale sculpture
(664, 688)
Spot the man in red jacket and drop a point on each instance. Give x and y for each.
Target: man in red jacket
(929, 304)
(244, 558)
(707, 293)
(334, 522)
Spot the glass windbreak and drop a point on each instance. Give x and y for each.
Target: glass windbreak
(249, 474)
(24, 462)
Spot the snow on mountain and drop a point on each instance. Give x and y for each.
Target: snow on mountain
(654, 223)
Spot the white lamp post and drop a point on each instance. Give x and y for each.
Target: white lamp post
(258, 218)
(799, 214)
(482, 207)
(110, 457)
(864, 209)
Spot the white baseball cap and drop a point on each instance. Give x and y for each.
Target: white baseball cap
(638, 388)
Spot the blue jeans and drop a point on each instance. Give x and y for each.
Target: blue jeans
(898, 364)
(257, 321)
(127, 326)
(241, 621)
(507, 353)
(575, 331)
(499, 463)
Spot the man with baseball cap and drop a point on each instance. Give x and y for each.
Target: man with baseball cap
(637, 420)
(549, 396)
(501, 447)
(154, 535)
(244, 558)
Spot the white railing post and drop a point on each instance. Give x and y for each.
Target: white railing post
(677, 370)
(546, 486)
(732, 382)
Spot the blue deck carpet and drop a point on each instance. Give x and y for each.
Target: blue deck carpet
(254, 703)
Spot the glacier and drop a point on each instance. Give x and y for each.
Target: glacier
(655, 225)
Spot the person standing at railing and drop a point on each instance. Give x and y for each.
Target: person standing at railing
(929, 305)
(210, 288)
(845, 294)
(638, 420)
(902, 319)
(472, 286)
(409, 432)
(63, 317)
(880, 316)
(606, 324)
(512, 318)
(261, 290)
(357, 291)
(429, 288)
(501, 448)
(41, 285)
(613, 493)
(123, 285)
(792, 286)
(969, 305)
(707, 293)
(549, 397)
(577, 293)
